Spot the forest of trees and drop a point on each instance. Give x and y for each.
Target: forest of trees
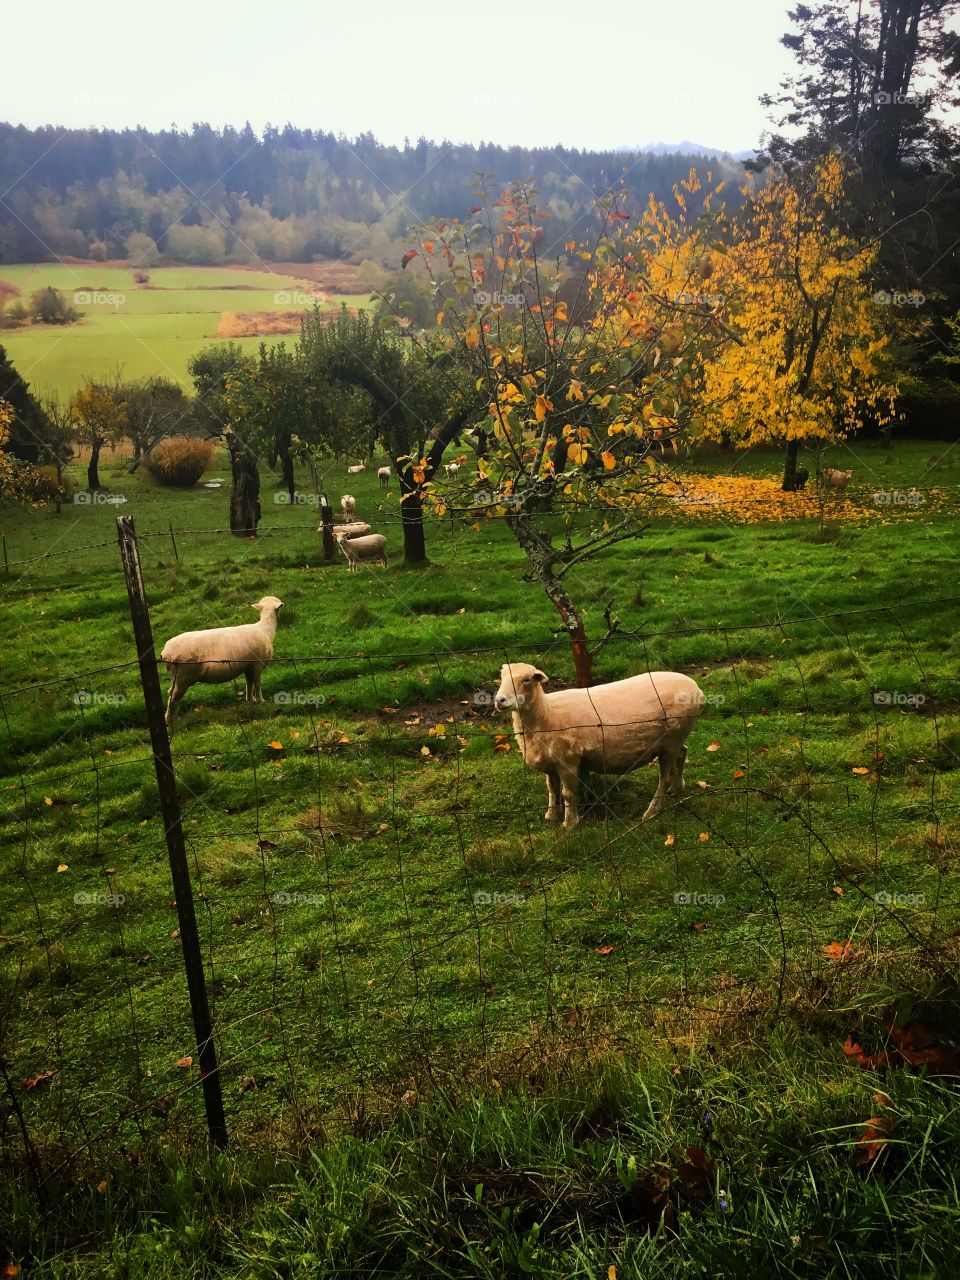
(213, 195)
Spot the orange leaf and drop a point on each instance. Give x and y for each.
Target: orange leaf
(838, 890)
(407, 257)
(874, 1138)
(860, 769)
(277, 746)
(738, 773)
(31, 1082)
(714, 746)
(608, 460)
(703, 837)
(604, 950)
(184, 1062)
(670, 842)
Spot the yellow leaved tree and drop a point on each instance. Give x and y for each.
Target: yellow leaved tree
(808, 359)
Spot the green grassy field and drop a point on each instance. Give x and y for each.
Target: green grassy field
(424, 1081)
(140, 330)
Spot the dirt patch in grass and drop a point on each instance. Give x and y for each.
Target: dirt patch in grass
(333, 275)
(254, 324)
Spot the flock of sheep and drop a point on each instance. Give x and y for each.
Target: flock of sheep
(609, 728)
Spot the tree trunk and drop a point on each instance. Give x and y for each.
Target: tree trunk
(93, 467)
(790, 466)
(538, 553)
(289, 480)
(411, 516)
(245, 494)
(137, 458)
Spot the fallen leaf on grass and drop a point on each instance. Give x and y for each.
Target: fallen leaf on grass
(184, 1062)
(277, 746)
(64, 866)
(604, 950)
(670, 842)
(42, 1077)
(845, 952)
(873, 1139)
(714, 746)
(860, 770)
(703, 837)
(739, 773)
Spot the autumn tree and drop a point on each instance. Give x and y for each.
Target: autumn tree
(575, 394)
(99, 419)
(808, 361)
(154, 408)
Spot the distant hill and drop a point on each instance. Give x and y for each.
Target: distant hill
(209, 196)
(686, 148)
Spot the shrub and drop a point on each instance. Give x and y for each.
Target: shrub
(180, 461)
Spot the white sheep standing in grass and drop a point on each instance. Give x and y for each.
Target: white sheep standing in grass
(220, 654)
(373, 547)
(451, 468)
(383, 475)
(611, 728)
(355, 471)
(348, 506)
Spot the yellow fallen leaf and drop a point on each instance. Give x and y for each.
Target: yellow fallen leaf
(670, 842)
(424, 751)
(714, 746)
(703, 837)
(102, 1187)
(47, 800)
(860, 769)
(277, 746)
(63, 867)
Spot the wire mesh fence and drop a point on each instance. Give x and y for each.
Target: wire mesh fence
(382, 908)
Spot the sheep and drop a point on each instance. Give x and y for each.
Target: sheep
(221, 653)
(839, 479)
(355, 471)
(611, 728)
(373, 547)
(384, 477)
(348, 506)
(355, 529)
(451, 468)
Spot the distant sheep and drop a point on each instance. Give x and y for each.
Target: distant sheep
(348, 506)
(451, 468)
(383, 475)
(355, 529)
(372, 547)
(839, 479)
(355, 471)
(220, 654)
(611, 728)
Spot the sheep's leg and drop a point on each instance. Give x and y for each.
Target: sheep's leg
(176, 693)
(570, 789)
(676, 781)
(667, 762)
(252, 674)
(554, 798)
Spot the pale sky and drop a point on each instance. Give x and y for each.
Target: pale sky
(590, 75)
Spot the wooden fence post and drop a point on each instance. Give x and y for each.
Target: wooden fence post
(176, 553)
(176, 848)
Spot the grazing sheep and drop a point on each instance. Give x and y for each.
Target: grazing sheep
(355, 471)
(373, 547)
(802, 476)
(611, 728)
(451, 468)
(348, 506)
(384, 477)
(355, 529)
(221, 653)
(839, 479)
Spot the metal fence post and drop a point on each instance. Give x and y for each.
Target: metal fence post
(326, 517)
(176, 848)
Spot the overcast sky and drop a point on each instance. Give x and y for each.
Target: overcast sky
(586, 75)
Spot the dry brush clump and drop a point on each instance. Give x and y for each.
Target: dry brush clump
(180, 461)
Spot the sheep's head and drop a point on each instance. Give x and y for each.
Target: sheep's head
(519, 684)
(267, 604)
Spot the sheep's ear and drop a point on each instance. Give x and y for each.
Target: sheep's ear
(540, 677)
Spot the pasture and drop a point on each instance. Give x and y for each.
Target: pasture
(503, 1041)
(153, 329)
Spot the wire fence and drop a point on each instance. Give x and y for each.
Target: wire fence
(382, 909)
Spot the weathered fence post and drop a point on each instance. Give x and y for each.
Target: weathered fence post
(6, 562)
(176, 849)
(326, 518)
(176, 553)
